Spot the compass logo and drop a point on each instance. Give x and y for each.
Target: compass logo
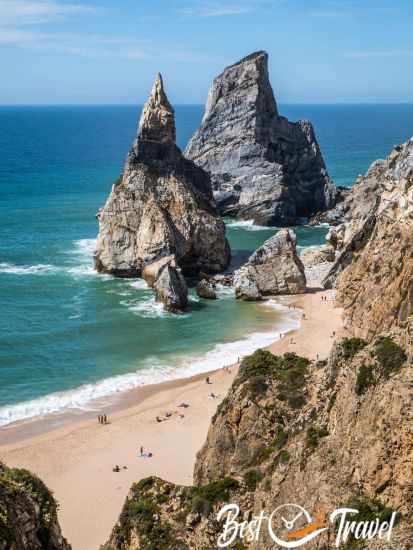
(291, 526)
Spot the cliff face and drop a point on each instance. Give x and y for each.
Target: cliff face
(262, 166)
(376, 289)
(290, 431)
(28, 513)
(161, 206)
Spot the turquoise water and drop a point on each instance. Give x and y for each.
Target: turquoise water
(67, 334)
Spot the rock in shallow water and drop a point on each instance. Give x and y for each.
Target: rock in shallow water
(263, 167)
(170, 288)
(205, 289)
(274, 268)
(162, 205)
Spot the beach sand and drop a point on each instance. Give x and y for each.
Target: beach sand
(76, 460)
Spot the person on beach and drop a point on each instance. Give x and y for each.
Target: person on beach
(158, 419)
(207, 380)
(141, 451)
(100, 419)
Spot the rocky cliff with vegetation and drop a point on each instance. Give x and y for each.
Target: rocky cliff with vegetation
(263, 167)
(161, 206)
(28, 513)
(324, 434)
(376, 289)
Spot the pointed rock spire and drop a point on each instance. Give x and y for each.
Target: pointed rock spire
(158, 118)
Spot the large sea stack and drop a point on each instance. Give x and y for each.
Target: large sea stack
(263, 167)
(161, 206)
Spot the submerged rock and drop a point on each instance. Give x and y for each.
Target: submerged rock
(170, 288)
(205, 289)
(274, 268)
(161, 206)
(263, 167)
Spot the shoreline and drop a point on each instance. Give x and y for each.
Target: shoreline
(120, 398)
(76, 460)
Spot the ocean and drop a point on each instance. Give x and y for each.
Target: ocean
(67, 334)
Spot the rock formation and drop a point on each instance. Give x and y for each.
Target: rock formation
(170, 288)
(376, 289)
(205, 289)
(289, 431)
(161, 206)
(273, 269)
(263, 167)
(28, 513)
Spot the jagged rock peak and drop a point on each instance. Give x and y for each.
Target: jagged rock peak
(158, 117)
(249, 74)
(263, 167)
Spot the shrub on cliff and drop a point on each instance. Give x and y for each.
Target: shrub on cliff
(389, 355)
(351, 346)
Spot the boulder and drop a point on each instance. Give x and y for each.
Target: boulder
(205, 289)
(263, 167)
(170, 288)
(161, 206)
(274, 268)
(317, 255)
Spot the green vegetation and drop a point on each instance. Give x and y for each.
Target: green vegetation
(278, 442)
(252, 478)
(314, 435)
(205, 496)
(141, 515)
(282, 458)
(22, 484)
(389, 355)
(365, 378)
(290, 371)
(352, 346)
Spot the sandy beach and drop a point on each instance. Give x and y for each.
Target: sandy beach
(76, 460)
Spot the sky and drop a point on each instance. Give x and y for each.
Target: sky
(108, 51)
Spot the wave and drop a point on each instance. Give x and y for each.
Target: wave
(153, 371)
(248, 225)
(39, 269)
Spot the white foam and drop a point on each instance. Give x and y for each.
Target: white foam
(39, 269)
(248, 225)
(152, 371)
(223, 291)
(139, 284)
(84, 247)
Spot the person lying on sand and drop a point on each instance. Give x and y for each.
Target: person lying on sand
(116, 469)
(213, 396)
(184, 405)
(158, 419)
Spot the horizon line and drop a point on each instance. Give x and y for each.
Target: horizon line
(315, 103)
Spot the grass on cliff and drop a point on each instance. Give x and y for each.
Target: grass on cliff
(389, 355)
(352, 346)
(16, 483)
(141, 514)
(262, 367)
(313, 437)
(205, 496)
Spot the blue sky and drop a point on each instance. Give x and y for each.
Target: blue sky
(101, 51)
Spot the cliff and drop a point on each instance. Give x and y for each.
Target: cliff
(262, 166)
(327, 434)
(28, 513)
(323, 435)
(161, 206)
(376, 288)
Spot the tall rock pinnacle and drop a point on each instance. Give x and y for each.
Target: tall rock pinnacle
(158, 118)
(262, 166)
(162, 206)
